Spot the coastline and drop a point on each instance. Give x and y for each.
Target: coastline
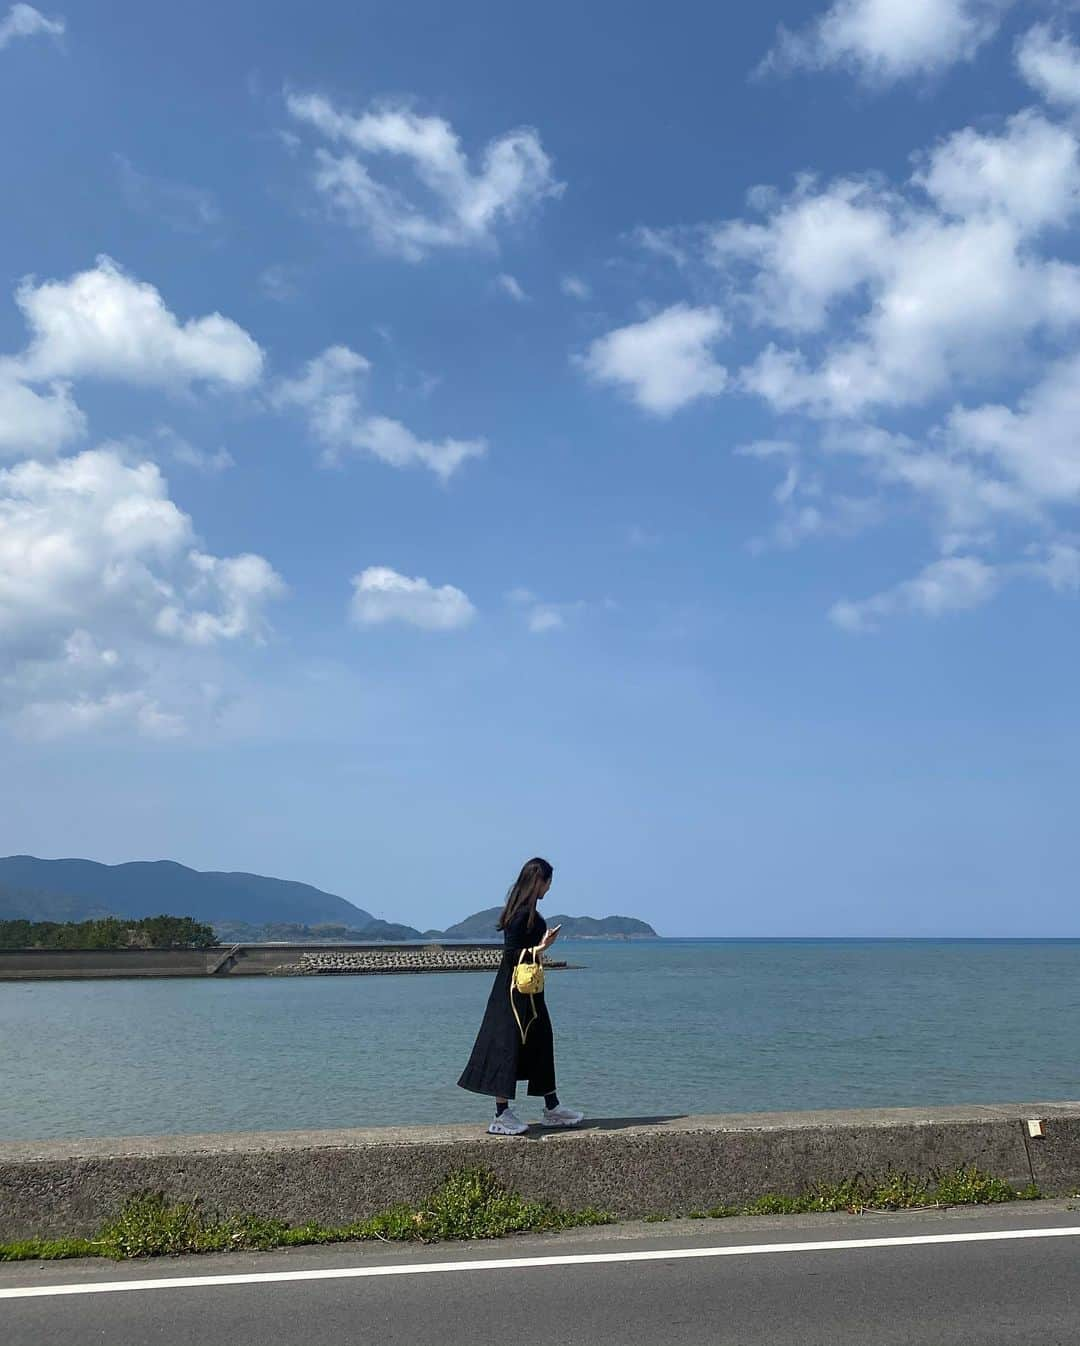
(628, 1166)
(248, 960)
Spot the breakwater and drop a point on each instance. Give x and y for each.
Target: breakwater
(382, 960)
(630, 1167)
(246, 960)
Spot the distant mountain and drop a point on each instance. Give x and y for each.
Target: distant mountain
(482, 926)
(292, 932)
(24, 904)
(243, 908)
(603, 927)
(76, 890)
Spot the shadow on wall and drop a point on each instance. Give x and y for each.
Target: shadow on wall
(539, 1130)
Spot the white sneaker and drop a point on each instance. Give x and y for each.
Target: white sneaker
(561, 1116)
(507, 1124)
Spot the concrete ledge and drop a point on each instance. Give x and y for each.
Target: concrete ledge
(632, 1167)
(239, 960)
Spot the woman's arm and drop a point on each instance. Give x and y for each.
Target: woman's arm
(549, 939)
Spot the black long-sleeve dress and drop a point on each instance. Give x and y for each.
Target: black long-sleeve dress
(500, 1058)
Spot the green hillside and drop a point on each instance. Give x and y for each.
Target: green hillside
(77, 890)
(482, 926)
(242, 908)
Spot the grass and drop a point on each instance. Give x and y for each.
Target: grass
(470, 1204)
(474, 1204)
(964, 1186)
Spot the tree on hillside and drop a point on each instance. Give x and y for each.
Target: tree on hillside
(111, 932)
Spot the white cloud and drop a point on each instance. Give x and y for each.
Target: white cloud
(455, 206)
(182, 451)
(78, 713)
(26, 21)
(1037, 445)
(1051, 65)
(840, 517)
(100, 575)
(807, 511)
(329, 387)
(917, 291)
(665, 361)
(887, 40)
(575, 288)
(330, 393)
(818, 247)
(382, 595)
(768, 448)
(32, 423)
(542, 616)
(1030, 175)
(187, 209)
(966, 501)
(94, 536)
(511, 287)
(104, 323)
(961, 583)
(393, 443)
(1058, 563)
(545, 617)
(279, 282)
(949, 585)
(235, 589)
(921, 342)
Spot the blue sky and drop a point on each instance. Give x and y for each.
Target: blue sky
(640, 436)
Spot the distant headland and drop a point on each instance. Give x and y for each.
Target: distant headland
(242, 908)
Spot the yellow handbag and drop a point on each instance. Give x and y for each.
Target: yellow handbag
(529, 977)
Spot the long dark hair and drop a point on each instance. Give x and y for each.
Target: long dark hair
(535, 874)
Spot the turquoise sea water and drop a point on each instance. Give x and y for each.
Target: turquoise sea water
(671, 1027)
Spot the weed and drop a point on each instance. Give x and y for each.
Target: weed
(962, 1186)
(772, 1203)
(149, 1227)
(46, 1250)
(965, 1186)
(474, 1204)
(470, 1204)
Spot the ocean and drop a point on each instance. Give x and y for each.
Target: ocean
(654, 1028)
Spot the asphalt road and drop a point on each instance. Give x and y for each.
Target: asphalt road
(728, 1283)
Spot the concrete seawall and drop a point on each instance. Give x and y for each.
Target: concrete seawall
(344, 962)
(630, 1167)
(244, 960)
(49, 964)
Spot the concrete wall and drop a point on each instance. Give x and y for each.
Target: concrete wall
(251, 960)
(259, 959)
(367, 961)
(39, 964)
(632, 1168)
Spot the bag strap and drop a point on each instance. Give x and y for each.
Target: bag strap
(523, 1030)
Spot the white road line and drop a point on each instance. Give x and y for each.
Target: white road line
(529, 1263)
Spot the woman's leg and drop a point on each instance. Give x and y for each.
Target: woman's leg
(501, 1104)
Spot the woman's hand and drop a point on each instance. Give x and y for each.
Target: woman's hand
(549, 939)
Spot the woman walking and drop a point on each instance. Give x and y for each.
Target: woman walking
(515, 1042)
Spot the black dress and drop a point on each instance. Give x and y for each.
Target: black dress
(500, 1058)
